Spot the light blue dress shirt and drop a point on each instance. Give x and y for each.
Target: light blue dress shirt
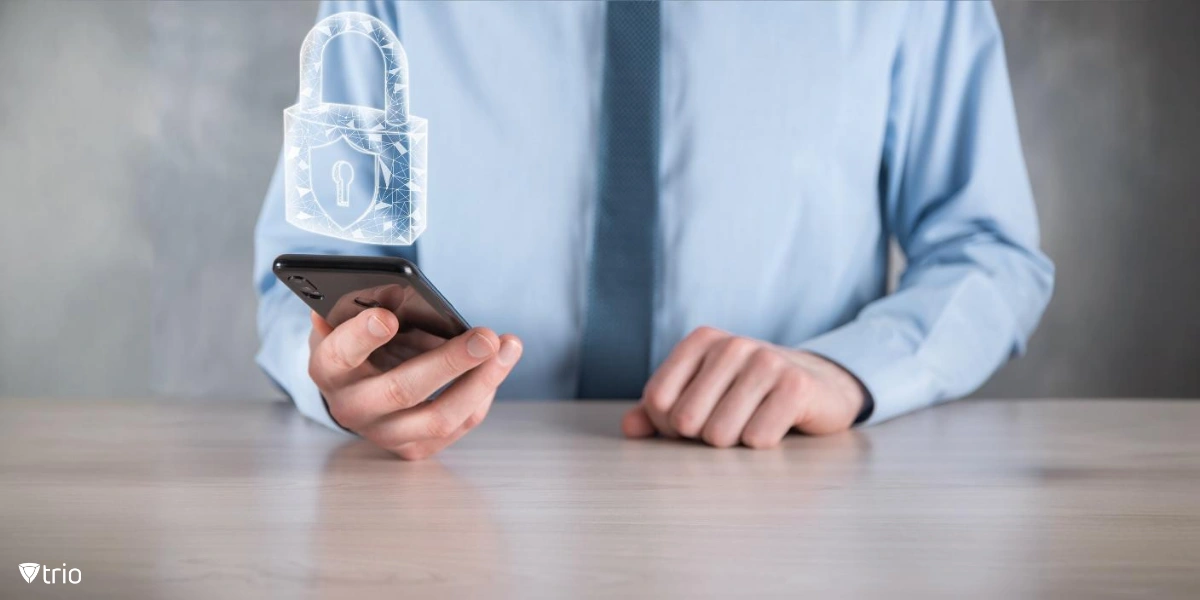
(797, 138)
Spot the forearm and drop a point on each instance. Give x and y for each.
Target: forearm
(284, 327)
(956, 318)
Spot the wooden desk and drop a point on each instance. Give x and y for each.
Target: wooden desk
(1051, 499)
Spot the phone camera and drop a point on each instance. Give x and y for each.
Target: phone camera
(306, 287)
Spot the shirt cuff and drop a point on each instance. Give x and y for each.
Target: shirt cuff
(884, 361)
(284, 357)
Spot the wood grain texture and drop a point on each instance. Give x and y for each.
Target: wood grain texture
(980, 499)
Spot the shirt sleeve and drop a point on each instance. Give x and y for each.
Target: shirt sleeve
(353, 77)
(956, 196)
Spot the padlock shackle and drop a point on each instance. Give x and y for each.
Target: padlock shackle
(395, 61)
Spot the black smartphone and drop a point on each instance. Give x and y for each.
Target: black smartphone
(340, 287)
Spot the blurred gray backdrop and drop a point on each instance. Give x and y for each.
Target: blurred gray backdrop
(137, 140)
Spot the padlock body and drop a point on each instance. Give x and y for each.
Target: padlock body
(351, 175)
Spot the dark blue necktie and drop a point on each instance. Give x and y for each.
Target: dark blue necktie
(615, 359)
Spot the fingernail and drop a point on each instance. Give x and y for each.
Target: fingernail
(376, 327)
(479, 346)
(509, 352)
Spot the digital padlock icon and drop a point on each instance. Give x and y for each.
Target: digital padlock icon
(355, 172)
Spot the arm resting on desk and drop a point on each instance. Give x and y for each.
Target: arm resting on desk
(957, 197)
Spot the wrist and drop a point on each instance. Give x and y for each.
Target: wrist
(846, 387)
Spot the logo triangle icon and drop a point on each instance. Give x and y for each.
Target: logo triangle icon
(29, 571)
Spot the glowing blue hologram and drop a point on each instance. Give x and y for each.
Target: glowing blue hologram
(355, 172)
(343, 176)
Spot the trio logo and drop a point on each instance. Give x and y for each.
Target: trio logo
(30, 571)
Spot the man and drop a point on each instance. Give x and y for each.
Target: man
(688, 204)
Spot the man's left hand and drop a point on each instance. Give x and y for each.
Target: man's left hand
(724, 389)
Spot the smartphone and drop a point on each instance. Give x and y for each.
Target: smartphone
(340, 287)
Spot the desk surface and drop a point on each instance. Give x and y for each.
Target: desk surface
(976, 499)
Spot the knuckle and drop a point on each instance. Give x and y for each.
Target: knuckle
(737, 346)
(657, 401)
(437, 425)
(706, 332)
(333, 357)
(474, 420)
(767, 359)
(794, 383)
(398, 391)
(492, 376)
(336, 352)
(685, 422)
(451, 363)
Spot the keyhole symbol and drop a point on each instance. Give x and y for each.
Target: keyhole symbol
(343, 176)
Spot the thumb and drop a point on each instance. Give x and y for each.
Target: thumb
(636, 423)
(319, 324)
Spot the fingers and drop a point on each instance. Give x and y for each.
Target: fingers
(772, 420)
(461, 406)
(320, 327)
(726, 389)
(341, 350)
(762, 371)
(419, 340)
(665, 386)
(426, 448)
(725, 359)
(415, 380)
(403, 346)
(636, 423)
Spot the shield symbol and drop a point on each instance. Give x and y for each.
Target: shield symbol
(344, 180)
(29, 570)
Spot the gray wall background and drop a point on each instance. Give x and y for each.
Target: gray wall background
(137, 140)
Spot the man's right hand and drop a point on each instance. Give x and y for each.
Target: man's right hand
(388, 407)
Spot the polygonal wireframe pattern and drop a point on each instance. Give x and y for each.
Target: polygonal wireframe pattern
(382, 201)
